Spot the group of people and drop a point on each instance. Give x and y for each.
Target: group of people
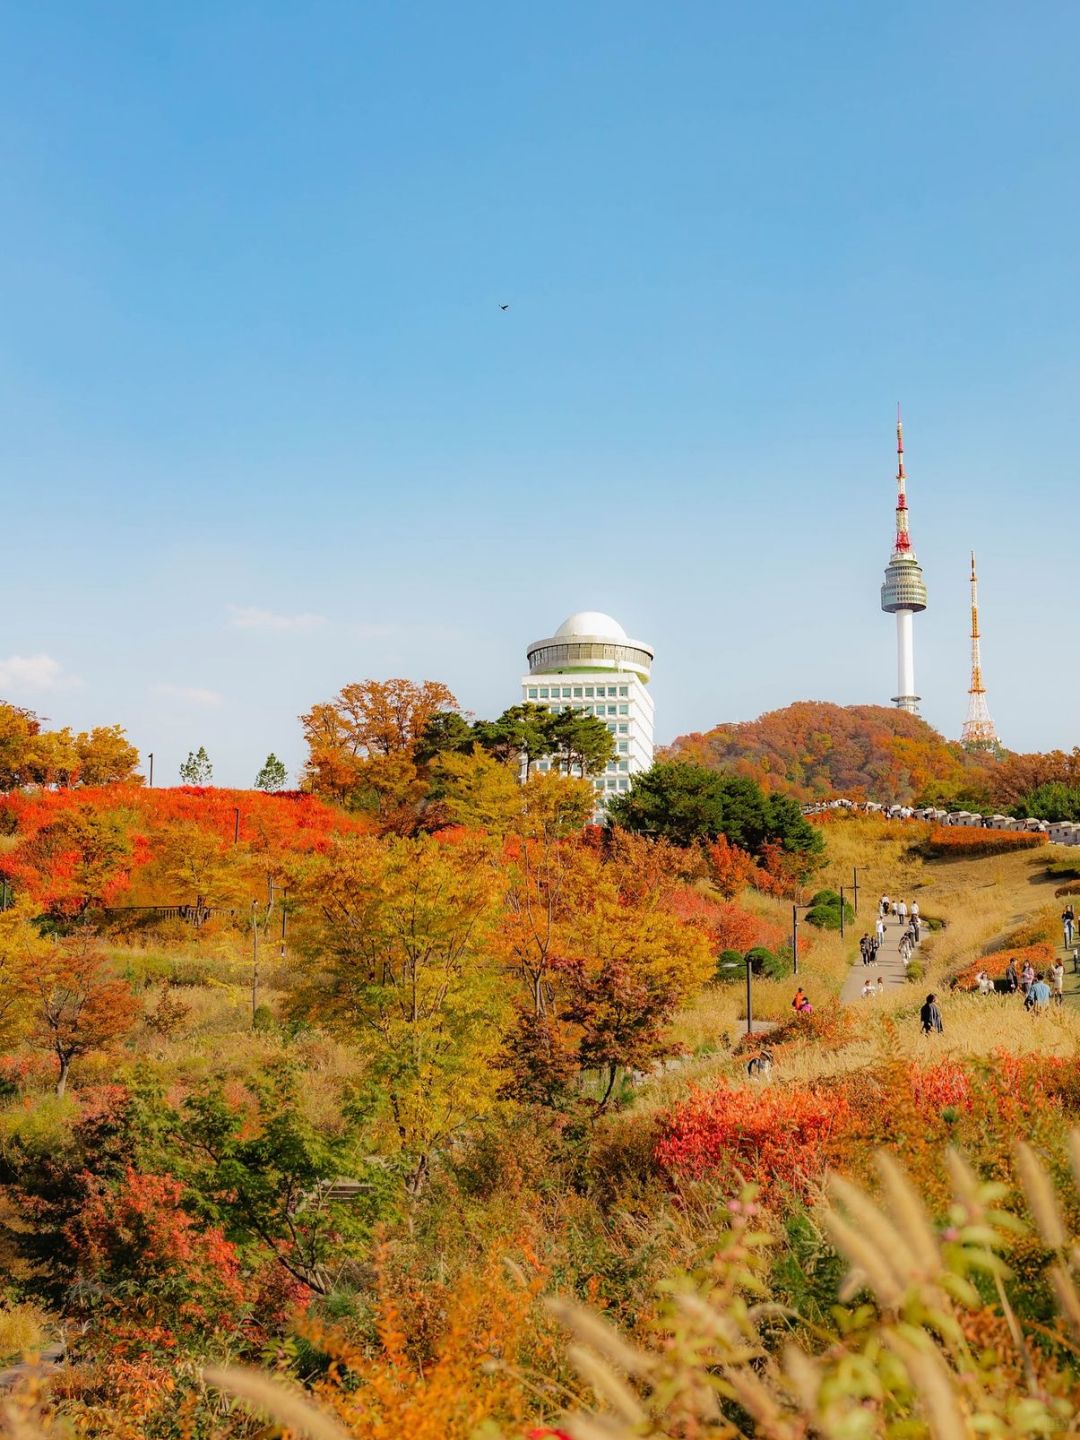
(1037, 988)
(869, 945)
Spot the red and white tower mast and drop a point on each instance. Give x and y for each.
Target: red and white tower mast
(978, 732)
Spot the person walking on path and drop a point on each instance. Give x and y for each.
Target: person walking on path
(880, 928)
(901, 910)
(930, 1016)
(916, 925)
(914, 909)
(1057, 981)
(1038, 996)
(1068, 922)
(1012, 980)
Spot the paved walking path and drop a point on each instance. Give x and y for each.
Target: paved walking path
(889, 966)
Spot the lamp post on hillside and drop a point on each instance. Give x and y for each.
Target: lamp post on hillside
(749, 1001)
(795, 936)
(841, 912)
(150, 757)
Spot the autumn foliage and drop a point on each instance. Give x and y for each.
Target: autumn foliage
(968, 842)
(813, 750)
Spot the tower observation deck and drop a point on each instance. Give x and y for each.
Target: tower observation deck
(904, 592)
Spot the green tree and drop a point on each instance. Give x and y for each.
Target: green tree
(263, 1169)
(1053, 800)
(197, 769)
(446, 733)
(522, 734)
(682, 802)
(272, 776)
(582, 742)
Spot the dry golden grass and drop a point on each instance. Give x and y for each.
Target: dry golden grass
(24, 1330)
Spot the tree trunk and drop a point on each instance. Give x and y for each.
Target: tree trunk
(610, 1086)
(61, 1082)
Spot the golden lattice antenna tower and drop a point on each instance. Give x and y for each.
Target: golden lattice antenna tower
(978, 732)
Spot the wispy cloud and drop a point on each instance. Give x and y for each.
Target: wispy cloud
(250, 617)
(187, 694)
(24, 673)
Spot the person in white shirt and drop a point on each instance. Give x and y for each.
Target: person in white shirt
(984, 983)
(880, 928)
(1057, 982)
(901, 910)
(868, 988)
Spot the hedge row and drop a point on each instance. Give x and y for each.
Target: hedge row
(957, 840)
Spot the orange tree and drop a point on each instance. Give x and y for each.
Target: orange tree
(372, 718)
(75, 1005)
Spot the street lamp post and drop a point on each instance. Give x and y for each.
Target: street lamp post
(841, 912)
(151, 759)
(749, 1000)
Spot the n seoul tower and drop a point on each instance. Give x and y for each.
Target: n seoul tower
(904, 591)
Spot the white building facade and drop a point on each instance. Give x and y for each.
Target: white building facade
(590, 665)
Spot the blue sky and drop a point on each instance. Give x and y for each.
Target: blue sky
(265, 429)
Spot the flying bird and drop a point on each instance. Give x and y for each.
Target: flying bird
(504, 307)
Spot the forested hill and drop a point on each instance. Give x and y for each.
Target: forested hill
(813, 749)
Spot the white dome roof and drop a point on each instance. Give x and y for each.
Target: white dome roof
(591, 622)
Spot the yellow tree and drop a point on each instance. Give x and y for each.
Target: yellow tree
(18, 727)
(53, 758)
(477, 791)
(193, 865)
(105, 756)
(397, 932)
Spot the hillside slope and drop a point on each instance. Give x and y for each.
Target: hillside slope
(812, 749)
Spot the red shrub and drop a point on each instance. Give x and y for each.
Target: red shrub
(955, 841)
(774, 1137)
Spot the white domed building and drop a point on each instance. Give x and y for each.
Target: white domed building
(591, 665)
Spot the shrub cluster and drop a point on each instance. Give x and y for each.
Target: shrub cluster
(957, 841)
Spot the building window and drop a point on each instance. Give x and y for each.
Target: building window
(623, 691)
(566, 692)
(624, 709)
(577, 692)
(532, 692)
(624, 747)
(624, 764)
(588, 692)
(543, 693)
(624, 785)
(624, 729)
(611, 727)
(611, 767)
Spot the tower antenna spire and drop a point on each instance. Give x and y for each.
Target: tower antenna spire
(903, 538)
(978, 732)
(904, 591)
